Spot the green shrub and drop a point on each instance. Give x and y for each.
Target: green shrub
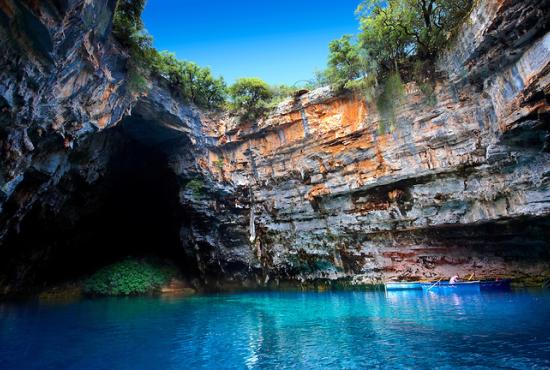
(194, 83)
(219, 163)
(280, 93)
(129, 277)
(390, 97)
(195, 185)
(137, 82)
(250, 97)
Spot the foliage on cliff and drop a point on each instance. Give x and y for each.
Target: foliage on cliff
(398, 42)
(129, 277)
(250, 96)
(127, 23)
(349, 66)
(196, 186)
(129, 31)
(397, 36)
(194, 83)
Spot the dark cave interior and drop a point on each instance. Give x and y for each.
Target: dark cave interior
(132, 210)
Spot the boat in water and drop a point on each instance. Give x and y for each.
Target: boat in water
(468, 286)
(445, 286)
(403, 285)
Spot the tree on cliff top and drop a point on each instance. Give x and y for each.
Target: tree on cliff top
(399, 42)
(127, 23)
(345, 61)
(397, 33)
(194, 83)
(348, 67)
(397, 36)
(250, 96)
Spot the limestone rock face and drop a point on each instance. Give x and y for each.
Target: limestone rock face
(325, 188)
(459, 183)
(69, 122)
(60, 79)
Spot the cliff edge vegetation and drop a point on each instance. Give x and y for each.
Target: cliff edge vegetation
(399, 41)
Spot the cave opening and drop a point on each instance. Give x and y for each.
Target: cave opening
(139, 209)
(132, 210)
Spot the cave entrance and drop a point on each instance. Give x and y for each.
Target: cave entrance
(139, 213)
(132, 210)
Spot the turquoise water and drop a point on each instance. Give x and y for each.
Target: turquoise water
(351, 330)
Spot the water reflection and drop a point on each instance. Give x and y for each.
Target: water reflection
(285, 330)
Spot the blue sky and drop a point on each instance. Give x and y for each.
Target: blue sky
(280, 41)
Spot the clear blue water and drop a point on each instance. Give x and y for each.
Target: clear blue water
(348, 330)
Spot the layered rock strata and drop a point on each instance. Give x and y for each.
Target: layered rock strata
(326, 188)
(455, 184)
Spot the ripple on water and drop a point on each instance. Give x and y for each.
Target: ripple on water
(351, 330)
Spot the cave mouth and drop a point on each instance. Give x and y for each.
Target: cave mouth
(139, 213)
(133, 210)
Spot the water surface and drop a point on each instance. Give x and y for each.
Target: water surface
(351, 330)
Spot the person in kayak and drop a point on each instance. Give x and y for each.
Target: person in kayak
(454, 279)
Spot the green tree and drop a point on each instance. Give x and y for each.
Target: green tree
(345, 63)
(194, 83)
(127, 21)
(251, 97)
(395, 33)
(280, 93)
(319, 79)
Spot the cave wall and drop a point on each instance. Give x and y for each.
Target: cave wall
(326, 187)
(459, 185)
(67, 121)
(61, 79)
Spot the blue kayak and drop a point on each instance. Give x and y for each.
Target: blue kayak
(445, 286)
(485, 285)
(403, 285)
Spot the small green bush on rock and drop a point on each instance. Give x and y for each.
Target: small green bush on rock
(251, 97)
(196, 186)
(129, 277)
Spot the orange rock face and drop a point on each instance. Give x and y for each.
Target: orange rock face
(326, 186)
(419, 196)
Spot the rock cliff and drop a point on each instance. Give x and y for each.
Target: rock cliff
(324, 189)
